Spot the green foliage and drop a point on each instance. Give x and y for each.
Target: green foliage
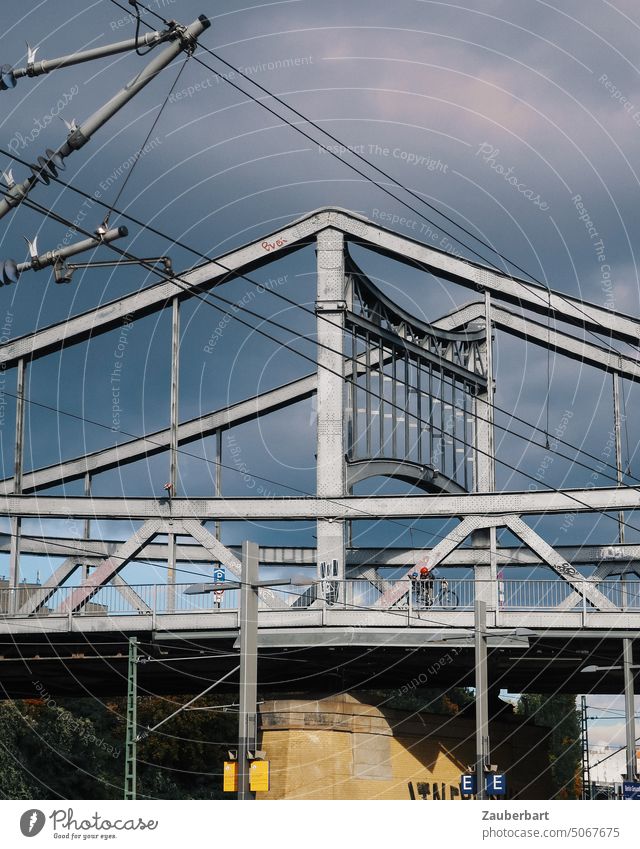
(559, 714)
(74, 749)
(429, 699)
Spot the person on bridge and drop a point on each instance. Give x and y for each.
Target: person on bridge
(425, 586)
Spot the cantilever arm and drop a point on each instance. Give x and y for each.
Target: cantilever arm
(183, 38)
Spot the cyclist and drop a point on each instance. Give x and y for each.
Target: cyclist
(425, 585)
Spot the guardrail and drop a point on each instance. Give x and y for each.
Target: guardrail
(441, 594)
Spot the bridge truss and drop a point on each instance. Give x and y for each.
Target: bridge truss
(397, 397)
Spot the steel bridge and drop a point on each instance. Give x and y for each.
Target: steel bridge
(396, 397)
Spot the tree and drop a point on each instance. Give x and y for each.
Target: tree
(558, 713)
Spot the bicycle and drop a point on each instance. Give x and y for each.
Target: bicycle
(425, 597)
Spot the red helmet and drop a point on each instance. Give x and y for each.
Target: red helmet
(424, 571)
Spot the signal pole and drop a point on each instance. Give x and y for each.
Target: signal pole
(247, 717)
(482, 697)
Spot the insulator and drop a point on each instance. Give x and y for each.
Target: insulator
(7, 79)
(10, 273)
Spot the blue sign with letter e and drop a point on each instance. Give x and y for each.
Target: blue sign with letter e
(496, 784)
(219, 575)
(467, 784)
(631, 789)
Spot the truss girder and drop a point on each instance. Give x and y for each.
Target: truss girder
(40, 596)
(347, 507)
(535, 542)
(126, 552)
(221, 553)
(154, 298)
(450, 542)
(155, 443)
(618, 558)
(583, 587)
(298, 234)
(130, 595)
(480, 278)
(546, 337)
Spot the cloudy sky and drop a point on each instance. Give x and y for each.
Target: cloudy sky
(506, 116)
(456, 103)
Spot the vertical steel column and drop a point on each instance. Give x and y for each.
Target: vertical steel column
(430, 396)
(484, 478)
(442, 458)
(87, 522)
(381, 390)
(353, 400)
(586, 763)
(367, 400)
(394, 404)
(131, 743)
(629, 707)
(616, 429)
(173, 449)
(218, 478)
(16, 521)
(248, 708)
(419, 408)
(407, 405)
(482, 697)
(330, 474)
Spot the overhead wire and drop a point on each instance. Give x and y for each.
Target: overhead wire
(236, 274)
(299, 353)
(320, 129)
(306, 119)
(148, 136)
(177, 280)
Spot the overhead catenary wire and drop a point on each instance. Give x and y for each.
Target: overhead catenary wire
(177, 280)
(498, 460)
(236, 274)
(359, 156)
(148, 136)
(111, 207)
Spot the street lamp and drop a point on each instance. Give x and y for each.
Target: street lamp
(629, 707)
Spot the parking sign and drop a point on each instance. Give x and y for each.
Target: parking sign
(219, 575)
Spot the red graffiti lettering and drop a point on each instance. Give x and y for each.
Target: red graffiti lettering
(271, 246)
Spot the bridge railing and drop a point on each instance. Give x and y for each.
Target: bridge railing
(353, 594)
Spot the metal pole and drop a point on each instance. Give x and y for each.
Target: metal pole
(616, 429)
(45, 66)
(629, 707)
(482, 696)
(173, 451)
(586, 764)
(16, 521)
(247, 718)
(131, 745)
(87, 523)
(218, 479)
